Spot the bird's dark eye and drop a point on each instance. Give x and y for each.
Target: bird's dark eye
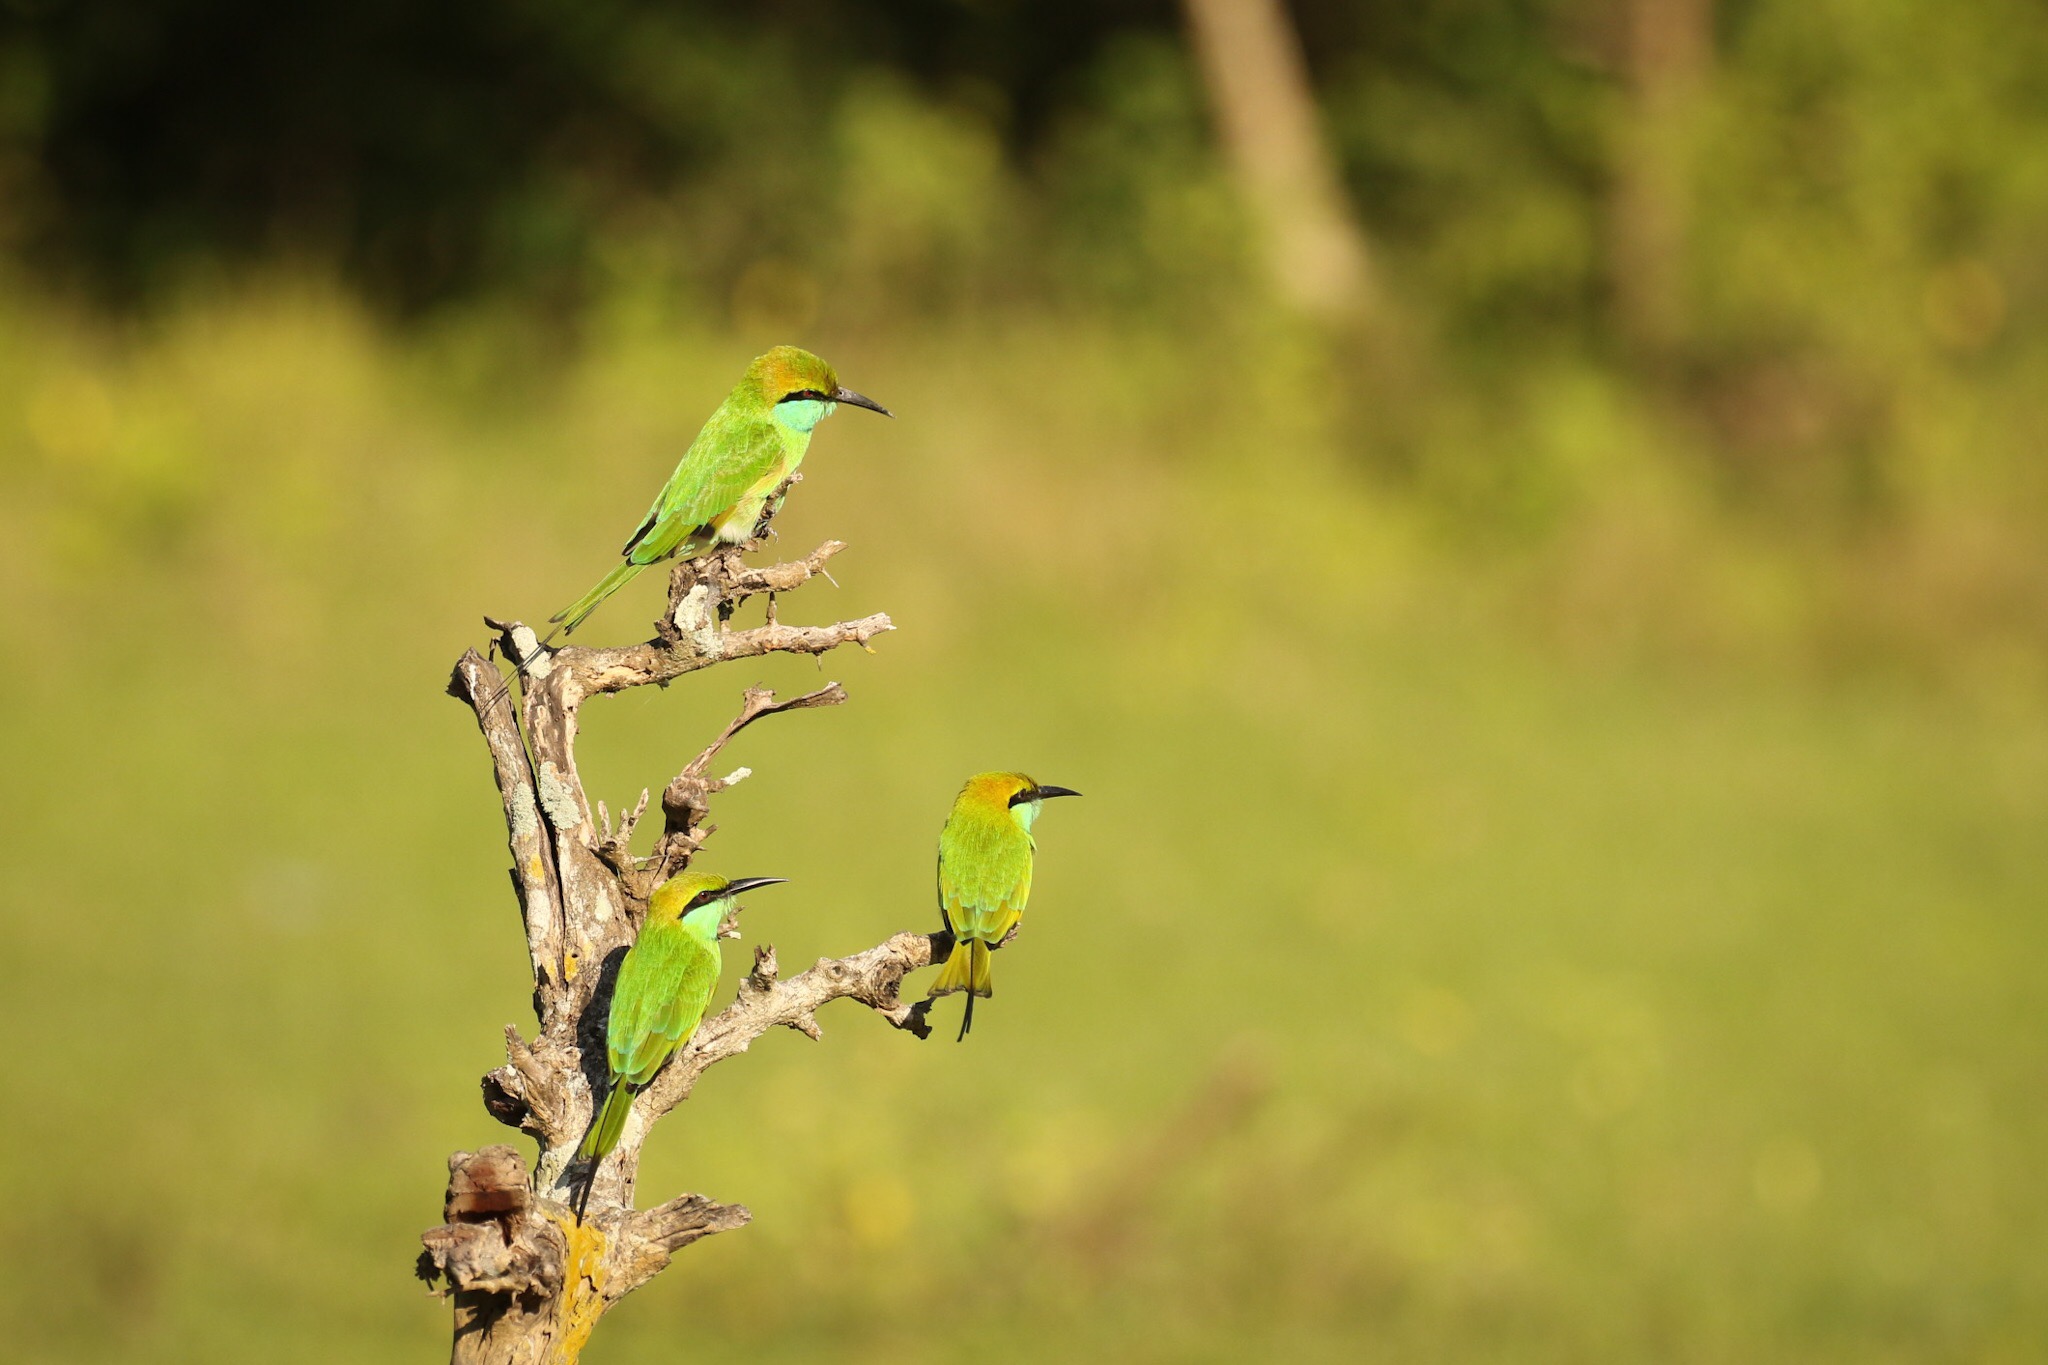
(806, 396)
(1028, 794)
(703, 898)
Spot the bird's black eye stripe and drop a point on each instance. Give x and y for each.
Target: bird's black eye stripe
(703, 898)
(1028, 794)
(806, 396)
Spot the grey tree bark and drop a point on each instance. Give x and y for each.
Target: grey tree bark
(529, 1282)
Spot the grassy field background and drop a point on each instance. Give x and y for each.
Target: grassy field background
(1586, 947)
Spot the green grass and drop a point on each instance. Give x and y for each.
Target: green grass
(1405, 986)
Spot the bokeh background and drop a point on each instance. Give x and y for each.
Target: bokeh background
(1538, 566)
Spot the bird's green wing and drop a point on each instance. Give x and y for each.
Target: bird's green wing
(984, 876)
(730, 456)
(664, 985)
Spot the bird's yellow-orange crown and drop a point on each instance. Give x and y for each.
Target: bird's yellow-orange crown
(673, 896)
(993, 790)
(787, 370)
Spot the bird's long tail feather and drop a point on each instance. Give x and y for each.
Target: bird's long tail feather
(589, 1183)
(602, 1137)
(568, 618)
(518, 674)
(611, 1121)
(572, 616)
(966, 969)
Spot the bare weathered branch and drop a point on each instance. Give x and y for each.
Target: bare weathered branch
(500, 1258)
(686, 801)
(540, 903)
(524, 1093)
(588, 866)
(872, 977)
(616, 845)
(652, 1236)
(737, 582)
(615, 670)
(530, 1281)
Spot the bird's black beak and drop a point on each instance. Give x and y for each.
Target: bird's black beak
(1047, 793)
(842, 394)
(729, 925)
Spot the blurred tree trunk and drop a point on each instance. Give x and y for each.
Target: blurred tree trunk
(1252, 66)
(1667, 51)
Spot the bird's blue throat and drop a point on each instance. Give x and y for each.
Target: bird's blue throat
(801, 414)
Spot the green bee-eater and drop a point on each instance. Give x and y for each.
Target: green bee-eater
(663, 986)
(985, 875)
(755, 440)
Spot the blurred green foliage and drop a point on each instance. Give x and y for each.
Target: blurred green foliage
(1561, 871)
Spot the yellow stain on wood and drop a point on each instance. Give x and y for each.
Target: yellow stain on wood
(582, 1300)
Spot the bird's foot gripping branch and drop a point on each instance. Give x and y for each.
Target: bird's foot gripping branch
(529, 1277)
